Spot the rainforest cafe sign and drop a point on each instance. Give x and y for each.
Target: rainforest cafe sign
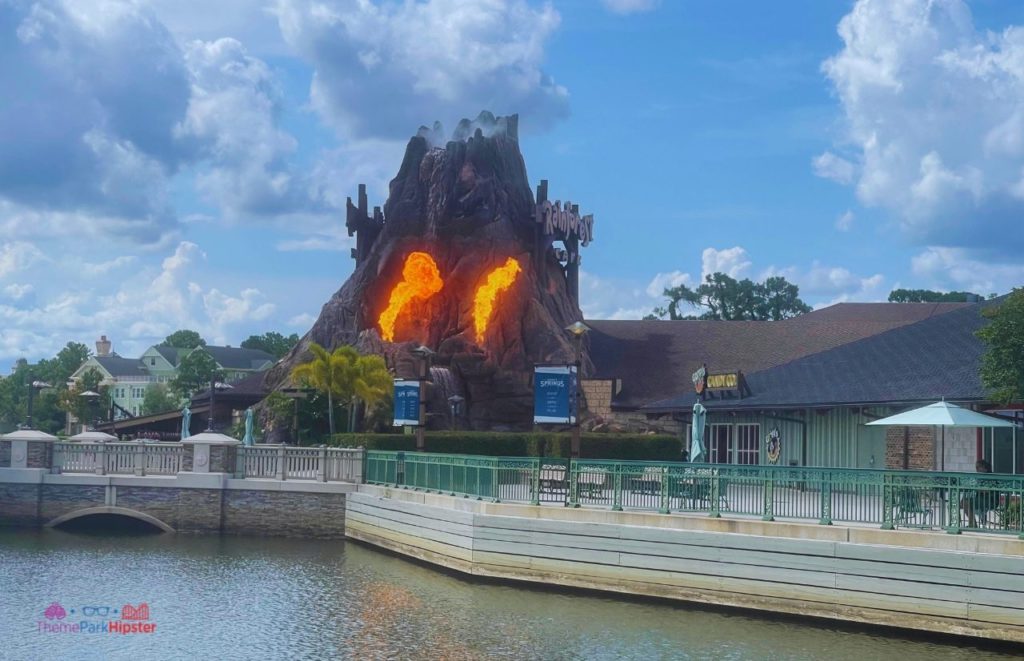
(565, 222)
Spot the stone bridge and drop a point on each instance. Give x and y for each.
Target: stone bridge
(208, 483)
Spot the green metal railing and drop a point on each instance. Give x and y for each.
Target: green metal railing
(891, 499)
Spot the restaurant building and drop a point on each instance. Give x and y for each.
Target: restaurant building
(800, 391)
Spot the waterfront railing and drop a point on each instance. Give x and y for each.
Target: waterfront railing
(135, 458)
(887, 498)
(276, 462)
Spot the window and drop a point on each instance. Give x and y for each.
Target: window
(152, 361)
(747, 446)
(720, 444)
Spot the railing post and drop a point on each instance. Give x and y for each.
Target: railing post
(888, 504)
(240, 462)
(282, 470)
(101, 459)
(535, 480)
(664, 490)
(617, 489)
(140, 459)
(826, 498)
(954, 507)
(321, 470)
(58, 458)
(716, 500)
(574, 483)
(769, 494)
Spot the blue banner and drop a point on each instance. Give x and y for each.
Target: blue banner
(407, 403)
(554, 394)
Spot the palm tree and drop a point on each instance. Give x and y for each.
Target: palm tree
(371, 385)
(344, 374)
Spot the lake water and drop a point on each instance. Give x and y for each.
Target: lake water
(255, 598)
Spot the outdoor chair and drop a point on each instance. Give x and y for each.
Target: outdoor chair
(913, 508)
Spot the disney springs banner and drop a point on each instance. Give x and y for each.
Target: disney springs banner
(407, 403)
(554, 394)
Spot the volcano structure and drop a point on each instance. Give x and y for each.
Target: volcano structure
(464, 260)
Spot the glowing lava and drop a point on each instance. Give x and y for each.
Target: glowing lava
(420, 279)
(497, 281)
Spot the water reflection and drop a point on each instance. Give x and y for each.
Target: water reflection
(248, 598)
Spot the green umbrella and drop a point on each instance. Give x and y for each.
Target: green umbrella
(697, 453)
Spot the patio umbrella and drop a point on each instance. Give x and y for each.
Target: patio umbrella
(248, 439)
(941, 414)
(696, 441)
(186, 422)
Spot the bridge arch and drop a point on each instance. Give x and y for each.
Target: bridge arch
(107, 509)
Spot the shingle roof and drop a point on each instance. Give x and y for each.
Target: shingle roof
(925, 361)
(654, 360)
(236, 358)
(171, 354)
(118, 366)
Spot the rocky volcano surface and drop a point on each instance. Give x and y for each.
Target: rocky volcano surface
(469, 206)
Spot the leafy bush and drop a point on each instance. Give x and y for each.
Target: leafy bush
(636, 447)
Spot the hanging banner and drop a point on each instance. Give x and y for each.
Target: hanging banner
(407, 403)
(554, 394)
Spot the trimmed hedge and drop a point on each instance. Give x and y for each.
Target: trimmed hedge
(636, 447)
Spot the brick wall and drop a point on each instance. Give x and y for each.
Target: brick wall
(598, 394)
(284, 514)
(920, 448)
(5, 454)
(19, 504)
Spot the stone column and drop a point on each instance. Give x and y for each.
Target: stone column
(213, 453)
(28, 448)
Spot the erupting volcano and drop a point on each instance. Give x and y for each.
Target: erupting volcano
(497, 281)
(420, 279)
(463, 259)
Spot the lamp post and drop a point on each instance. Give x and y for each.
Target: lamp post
(455, 404)
(92, 399)
(577, 329)
(214, 387)
(424, 355)
(33, 386)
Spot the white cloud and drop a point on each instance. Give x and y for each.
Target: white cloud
(16, 256)
(103, 268)
(836, 168)
(663, 281)
(844, 223)
(959, 269)
(319, 242)
(734, 262)
(17, 292)
(381, 70)
(630, 6)
(933, 109)
(304, 320)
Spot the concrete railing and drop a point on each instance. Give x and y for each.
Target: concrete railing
(279, 462)
(134, 458)
(274, 462)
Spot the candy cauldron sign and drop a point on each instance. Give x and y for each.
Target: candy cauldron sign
(704, 382)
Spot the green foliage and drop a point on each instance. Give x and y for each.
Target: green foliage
(183, 339)
(724, 297)
(1002, 366)
(636, 447)
(195, 371)
(49, 405)
(82, 408)
(273, 343)
(929, 296)
(346, 376)
(158, 399)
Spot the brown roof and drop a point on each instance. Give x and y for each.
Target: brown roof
(654, 360)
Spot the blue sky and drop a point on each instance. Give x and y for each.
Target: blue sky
(175, 164)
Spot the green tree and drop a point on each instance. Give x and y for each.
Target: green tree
(1002, 366)
(183, 339)
(158, 399)
(84, 409)
(344, 375)
(195, 372)
(724, 297)
(929, 296)
(275, 344)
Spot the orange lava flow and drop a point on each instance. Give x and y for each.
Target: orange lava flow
(497, 281)
(420, 279)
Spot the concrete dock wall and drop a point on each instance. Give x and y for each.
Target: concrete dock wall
(958, 584)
